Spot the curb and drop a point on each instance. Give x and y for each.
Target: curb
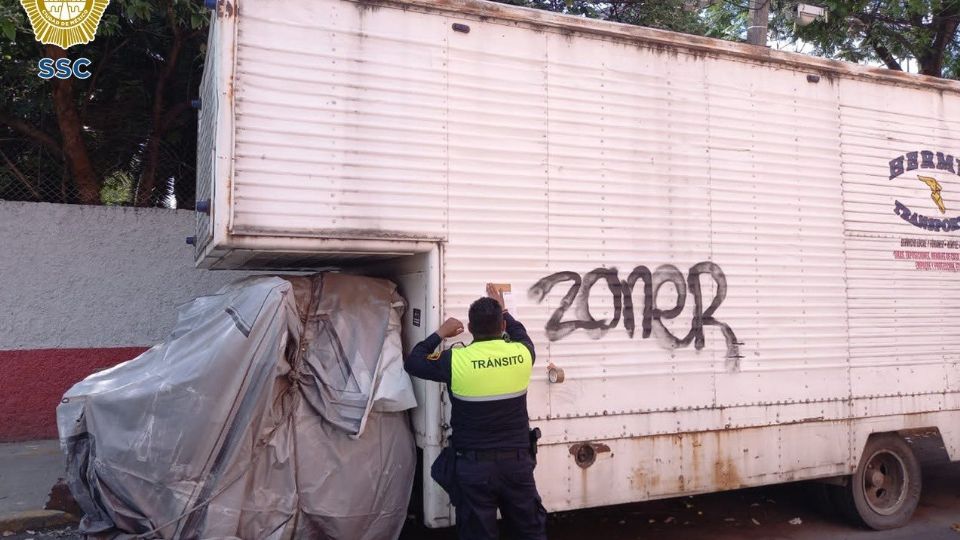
(18, 522)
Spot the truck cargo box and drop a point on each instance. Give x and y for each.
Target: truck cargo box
(743, 262)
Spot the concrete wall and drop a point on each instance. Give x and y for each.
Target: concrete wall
(84, 287)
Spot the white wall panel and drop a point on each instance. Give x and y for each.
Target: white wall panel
(497, 195)
(777, 221)
(901, 340)
(347, 133)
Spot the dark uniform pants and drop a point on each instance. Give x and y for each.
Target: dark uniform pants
(484, 485)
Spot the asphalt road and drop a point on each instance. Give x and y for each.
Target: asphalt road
(752, 514)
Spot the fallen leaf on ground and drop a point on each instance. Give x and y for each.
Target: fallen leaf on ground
(669, 520)
(755, 522)
(796, 521)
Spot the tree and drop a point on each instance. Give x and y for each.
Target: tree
(123, 131)
(675, 15)
(888, 32)
(126, 133)
(882, 31)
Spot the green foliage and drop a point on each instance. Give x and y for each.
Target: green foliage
(864, 31)
(139, 87)
(118, 189)
(726, 20)
(888, 32)
(130, 55)
(663, 14)
(12, 18)
(19, 84)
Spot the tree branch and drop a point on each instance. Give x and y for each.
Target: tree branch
(932, 61)
(884, 54)
(903, 41)
(92, 87)
(20, 176)
(874, 17)
(870, 37)
(71, 131)
(148, 176)
(33, 132)
(172, 114)
(916, 19)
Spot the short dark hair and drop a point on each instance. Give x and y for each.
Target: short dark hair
(486, 318)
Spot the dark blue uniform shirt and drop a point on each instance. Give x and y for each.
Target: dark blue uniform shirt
(477, 425)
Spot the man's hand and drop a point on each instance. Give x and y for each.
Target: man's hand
(450, 328)
(496, 294)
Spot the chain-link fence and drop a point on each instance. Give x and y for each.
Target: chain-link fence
(31, 172)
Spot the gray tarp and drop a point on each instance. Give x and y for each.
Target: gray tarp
(275, 408)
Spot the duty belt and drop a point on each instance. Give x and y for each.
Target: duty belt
(495, 454)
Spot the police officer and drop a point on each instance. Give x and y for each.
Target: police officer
(487, 380)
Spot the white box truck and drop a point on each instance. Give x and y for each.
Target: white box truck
(741, 264)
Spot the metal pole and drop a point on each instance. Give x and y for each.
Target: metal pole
(759, 18)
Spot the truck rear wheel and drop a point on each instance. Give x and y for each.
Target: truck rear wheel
(884, 491)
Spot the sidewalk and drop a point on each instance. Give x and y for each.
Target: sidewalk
(28, 471)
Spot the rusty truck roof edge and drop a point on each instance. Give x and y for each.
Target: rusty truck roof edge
(687, 43)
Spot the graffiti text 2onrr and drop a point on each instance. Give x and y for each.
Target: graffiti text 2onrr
(652, 317)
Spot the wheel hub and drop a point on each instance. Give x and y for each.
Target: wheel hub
(885, 482)
(877, 478)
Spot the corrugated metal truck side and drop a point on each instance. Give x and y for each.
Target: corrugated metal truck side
(742, 261)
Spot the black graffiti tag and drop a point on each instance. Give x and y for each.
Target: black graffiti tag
(652, 316)
(557, 329)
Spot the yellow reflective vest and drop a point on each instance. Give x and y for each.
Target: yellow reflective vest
(490, 370)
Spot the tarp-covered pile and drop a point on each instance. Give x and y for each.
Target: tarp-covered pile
(275, 408)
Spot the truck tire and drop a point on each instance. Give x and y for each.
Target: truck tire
(885, 489)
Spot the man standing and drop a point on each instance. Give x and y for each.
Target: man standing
(487, 381)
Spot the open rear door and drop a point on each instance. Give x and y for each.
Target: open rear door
(418, 280)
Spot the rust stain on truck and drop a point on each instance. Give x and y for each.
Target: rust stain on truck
(227, 9)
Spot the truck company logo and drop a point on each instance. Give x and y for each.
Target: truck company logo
(64, 24)
(926, 159)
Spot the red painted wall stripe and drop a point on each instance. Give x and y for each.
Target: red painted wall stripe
(32, 382)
